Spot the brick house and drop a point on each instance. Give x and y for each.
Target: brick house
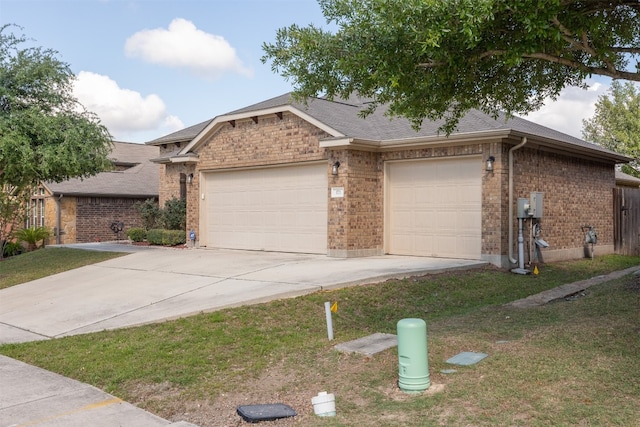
(318, 178)
(83, 210)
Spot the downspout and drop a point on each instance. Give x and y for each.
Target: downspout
(511, 150)
(58, 219)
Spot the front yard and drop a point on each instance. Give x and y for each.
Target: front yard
(571, 362)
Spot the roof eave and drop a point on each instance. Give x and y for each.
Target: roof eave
(417, 142)
(562, 147)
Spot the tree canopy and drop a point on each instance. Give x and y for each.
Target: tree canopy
(616, 123)
(440, 58)
(45, 134)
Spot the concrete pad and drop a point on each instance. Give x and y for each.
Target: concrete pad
(369, 345)
(466, 358)
(152, 285)
(45, 399)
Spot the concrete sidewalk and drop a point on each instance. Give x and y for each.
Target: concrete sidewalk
(34, 397)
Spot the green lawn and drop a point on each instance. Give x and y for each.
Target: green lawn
(45, 262)
(565, 363)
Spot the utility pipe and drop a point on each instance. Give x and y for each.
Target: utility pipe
(58, 219)
(511, 150)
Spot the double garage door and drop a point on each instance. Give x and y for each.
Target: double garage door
(280, 209)
(433, 208)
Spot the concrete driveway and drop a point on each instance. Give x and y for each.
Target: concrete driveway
(156, 284)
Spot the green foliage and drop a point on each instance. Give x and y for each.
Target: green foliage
(136, 234)
(31, 236)
(11, 249)
(616, 123)
(440, 58)
(45, 134)
(150, 213)
(174, 214)
(166, 237)
(13, 210)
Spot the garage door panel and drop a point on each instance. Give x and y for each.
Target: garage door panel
(434, 208)
(278, 209)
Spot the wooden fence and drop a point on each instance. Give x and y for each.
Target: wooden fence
(626, 220)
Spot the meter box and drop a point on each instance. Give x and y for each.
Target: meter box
(523, 208)
(535, 204)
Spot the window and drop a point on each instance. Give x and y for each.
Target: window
(35, 217)
(183, 186)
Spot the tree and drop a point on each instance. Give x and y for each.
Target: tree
(45, 134)
(616, 123)
(440, 58)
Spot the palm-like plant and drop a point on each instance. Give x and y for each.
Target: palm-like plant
(31, 236)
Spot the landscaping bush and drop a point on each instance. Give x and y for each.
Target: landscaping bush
(166, 237)
(11, 249)
(174, 214)
(136, 234)
(150, 213)
(31, 236)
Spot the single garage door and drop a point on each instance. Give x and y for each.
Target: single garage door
(273, 209)
(433, 208)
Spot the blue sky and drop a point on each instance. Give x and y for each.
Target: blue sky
(151, 67)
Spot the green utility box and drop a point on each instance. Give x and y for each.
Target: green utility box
(413, 369)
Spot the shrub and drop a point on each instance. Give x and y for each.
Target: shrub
(11, 249)
(166, 237)
(150, 213)
(174, 214)
(136, 234)
(31, 236)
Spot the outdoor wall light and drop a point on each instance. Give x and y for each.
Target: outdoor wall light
(490, 161)
(334, 168)
(190, 178)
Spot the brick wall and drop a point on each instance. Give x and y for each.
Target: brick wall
(356, 221)
(576, 191)
(94, 216)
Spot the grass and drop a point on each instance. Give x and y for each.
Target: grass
(565, 363)
(46, 262)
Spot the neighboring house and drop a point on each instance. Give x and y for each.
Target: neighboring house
(318, 178)
(83, 210)
(626, 180)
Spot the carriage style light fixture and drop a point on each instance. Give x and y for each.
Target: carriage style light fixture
(334, 168)
(490, 161)
(189, 178)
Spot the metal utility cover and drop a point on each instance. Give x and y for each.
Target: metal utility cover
(466, 358)
(265, 412)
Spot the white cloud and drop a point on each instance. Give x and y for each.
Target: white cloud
(566, 113)
(124, 112)
(183, 45)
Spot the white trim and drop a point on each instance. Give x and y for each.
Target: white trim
(221, 120)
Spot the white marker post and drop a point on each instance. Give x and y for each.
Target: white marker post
(327, 310)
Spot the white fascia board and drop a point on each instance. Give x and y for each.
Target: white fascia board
(412, 142)
(220, 120)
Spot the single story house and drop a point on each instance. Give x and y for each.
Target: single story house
(316, 177)
(85, 210)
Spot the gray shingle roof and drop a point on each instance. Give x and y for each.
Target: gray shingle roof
(140, 181)
(343, 116)
(183, 135)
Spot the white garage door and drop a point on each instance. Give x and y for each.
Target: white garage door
(274, 209)
(434, 208)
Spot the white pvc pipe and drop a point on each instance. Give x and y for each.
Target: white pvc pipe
(524, 141)
(327, 311)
